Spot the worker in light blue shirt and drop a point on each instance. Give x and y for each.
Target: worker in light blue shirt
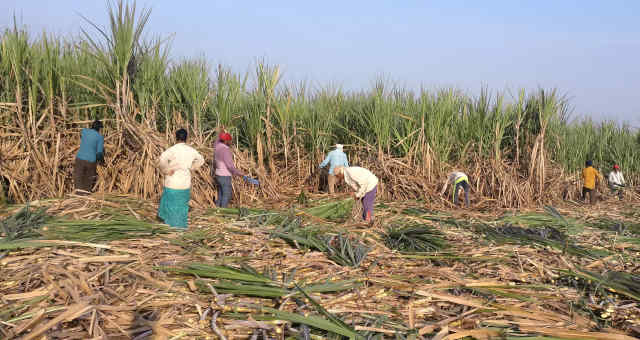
(334, 158)
(90, 153)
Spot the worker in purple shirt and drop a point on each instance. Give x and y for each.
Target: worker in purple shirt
(224, 169)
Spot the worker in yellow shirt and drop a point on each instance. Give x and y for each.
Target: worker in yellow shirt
(590, 176)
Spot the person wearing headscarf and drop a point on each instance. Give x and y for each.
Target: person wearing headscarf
(365, 184)
(335, 158)
(458, 180)
(617, 182)
(90, 153)
(176, 164)
(225, 169)
(590, 177)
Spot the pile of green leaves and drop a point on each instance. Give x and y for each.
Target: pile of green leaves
(622, 283)
(549, 230)
(551, 218)
(333, 211)
(622, 227)
(24, 224)
(339, 248)
(544, 236)
(323, 320)
(415, 237)
(119, 228)
(245, 280)
(255, 217)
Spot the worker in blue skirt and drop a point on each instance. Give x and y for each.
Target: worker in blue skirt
(176, 163)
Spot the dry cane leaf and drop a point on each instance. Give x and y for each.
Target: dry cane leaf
(480, 334)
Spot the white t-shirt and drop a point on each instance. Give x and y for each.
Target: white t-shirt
(181, 159)
(360, 179)
(615, 177)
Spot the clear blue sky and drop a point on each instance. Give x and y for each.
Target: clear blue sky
(590, 50)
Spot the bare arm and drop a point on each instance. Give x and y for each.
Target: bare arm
(444, 187)
(198, 161)
(163, 162)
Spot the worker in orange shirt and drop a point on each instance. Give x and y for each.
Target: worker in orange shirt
(590, 177)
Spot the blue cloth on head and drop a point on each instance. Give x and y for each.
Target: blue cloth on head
(335, 158)
(91, 144)
(174, 207)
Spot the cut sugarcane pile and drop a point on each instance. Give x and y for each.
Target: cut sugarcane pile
(244, 273)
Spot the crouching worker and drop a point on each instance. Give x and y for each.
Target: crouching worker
(617, 182)
(176, 164)
(365, 183)
(90, 153)
(458, 179)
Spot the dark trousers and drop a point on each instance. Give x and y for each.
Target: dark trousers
(617, 190)
(84, 175)
(465, 186)
(225, 191)
(367, 204)
(586, 191)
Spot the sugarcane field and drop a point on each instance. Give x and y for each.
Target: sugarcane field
(145, 196)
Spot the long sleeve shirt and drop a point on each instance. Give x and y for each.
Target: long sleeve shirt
(360, 179)
(589, 176)
(335, 158)
(179, 159)
(224, 161)
(91, 144)
(616, 178)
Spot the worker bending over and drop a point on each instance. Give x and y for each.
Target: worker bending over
(365, 183)
(458, 180)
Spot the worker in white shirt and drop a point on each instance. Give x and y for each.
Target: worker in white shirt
(176, 163)
(458, 180)
(364, 182)
(617, 182)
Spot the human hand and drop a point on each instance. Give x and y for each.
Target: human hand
(171, 172)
